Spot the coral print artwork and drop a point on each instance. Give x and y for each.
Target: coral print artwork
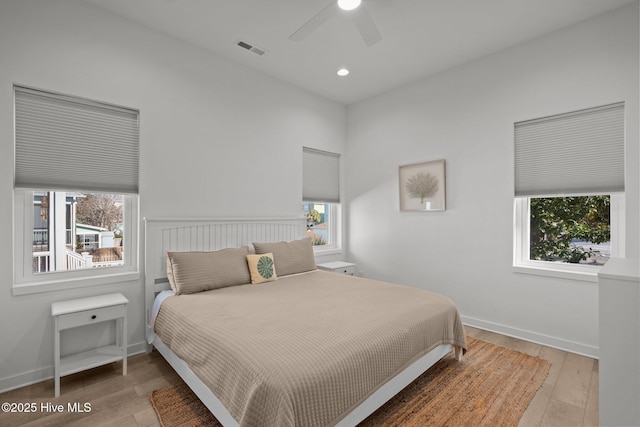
(422, 186)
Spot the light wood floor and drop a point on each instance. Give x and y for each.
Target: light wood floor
(569, 396)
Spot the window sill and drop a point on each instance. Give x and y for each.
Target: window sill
(327, 251)
(63, 284)
(585, 274)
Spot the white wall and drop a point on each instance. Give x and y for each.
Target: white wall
(466, 117)
(217, 140)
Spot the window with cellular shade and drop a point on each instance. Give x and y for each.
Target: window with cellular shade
(321, 176)
(69, 143)
(573, 153)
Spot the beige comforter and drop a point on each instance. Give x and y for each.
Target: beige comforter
(306, 349)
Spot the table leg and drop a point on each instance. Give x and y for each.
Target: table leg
(123, 343)
(56, 357)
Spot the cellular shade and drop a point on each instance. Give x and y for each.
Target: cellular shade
(68, 143)
(321, 176)
(573, 153)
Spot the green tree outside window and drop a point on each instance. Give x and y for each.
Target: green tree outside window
(557, 221)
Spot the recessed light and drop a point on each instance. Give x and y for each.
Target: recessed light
(348, 4)
(343, 72)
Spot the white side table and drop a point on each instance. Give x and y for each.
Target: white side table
(339, 267)
(86, 311)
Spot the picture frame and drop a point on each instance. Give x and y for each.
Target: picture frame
(422, 186)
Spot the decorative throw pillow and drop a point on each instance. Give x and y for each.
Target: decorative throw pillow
(290, 257)
(262, 268)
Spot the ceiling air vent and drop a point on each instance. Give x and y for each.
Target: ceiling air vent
(251, 48)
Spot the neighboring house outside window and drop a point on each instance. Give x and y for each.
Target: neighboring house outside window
(61, 243)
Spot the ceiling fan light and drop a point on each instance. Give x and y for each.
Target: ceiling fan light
(342, 72)
(349, 4)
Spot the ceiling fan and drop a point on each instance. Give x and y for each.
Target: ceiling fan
(358, 12)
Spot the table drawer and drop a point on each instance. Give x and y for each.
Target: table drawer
(346, 270)
(87, 317)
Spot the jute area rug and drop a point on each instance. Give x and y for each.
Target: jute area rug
(492, 386)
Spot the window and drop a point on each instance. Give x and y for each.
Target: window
(321, 198)
(576, 229)
(75, 231)
(75, 192)
(569, 188)
(321, 223)
(572, 234)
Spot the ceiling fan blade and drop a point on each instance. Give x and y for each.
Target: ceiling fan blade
(312, 24)
(367, 27)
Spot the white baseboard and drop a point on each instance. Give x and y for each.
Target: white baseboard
(546, 340)
(46, 373)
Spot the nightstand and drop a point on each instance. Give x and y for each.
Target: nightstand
(339, 267)
(86, 311)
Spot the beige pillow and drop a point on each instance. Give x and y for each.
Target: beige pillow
(290, 257)
(190, 272)
(261, 268)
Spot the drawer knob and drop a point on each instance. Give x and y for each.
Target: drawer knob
(94, 317)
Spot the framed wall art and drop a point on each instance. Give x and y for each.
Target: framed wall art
(422, 186)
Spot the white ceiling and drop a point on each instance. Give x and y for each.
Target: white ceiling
(419, 37)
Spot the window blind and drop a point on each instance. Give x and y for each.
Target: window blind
(68, 143)
(321, 176)
(573, 153)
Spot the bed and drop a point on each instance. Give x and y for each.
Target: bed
(271, 340)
